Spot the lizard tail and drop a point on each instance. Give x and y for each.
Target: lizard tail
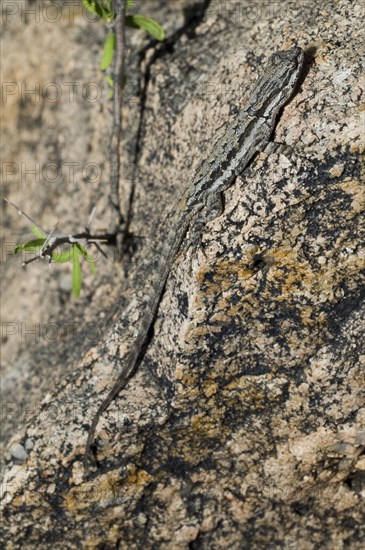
(169, 250)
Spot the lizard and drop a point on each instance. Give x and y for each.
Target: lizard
(247, 135)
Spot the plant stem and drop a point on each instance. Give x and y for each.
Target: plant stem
(81, 238)
(119, 8)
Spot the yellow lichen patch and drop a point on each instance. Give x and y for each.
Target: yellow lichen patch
(298, 278)
(188, 388)
(224, 271)
(235, 291)
(292, 275)
(205, 425)
(247, 391)
(106, 489)
(219, 287)
(188, 379)
(357, 191)
(18, 501)
(101, 490)
(210, 388)
(191, 441)
(227, 269)
(246, 381)
(136, 479)
(306, 315)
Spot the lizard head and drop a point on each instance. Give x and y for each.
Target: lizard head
(277, 82)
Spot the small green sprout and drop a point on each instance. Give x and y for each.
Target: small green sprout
(104, 10)
(47, 245)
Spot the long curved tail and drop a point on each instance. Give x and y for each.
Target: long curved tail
(171, 244)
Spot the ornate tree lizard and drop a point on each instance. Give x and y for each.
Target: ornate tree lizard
(248, 134)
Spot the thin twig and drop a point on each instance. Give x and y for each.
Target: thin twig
(21, 213)
(85, 237)
(119, 8)
(54, 239)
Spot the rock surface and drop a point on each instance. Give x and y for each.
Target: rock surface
(244, 426)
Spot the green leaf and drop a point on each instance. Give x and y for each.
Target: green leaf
(30, 246)
(91, 262)
(90, 5)
(80, 250)
(129, 4)
(63, 257)
(139, 21)
(76, 275)
(109, 80)
(83, 252)
(108, 51)
(92, 267)
(37, 232)
(101, 9)
(106, 10)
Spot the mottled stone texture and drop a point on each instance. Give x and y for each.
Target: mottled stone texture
(244, 425)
